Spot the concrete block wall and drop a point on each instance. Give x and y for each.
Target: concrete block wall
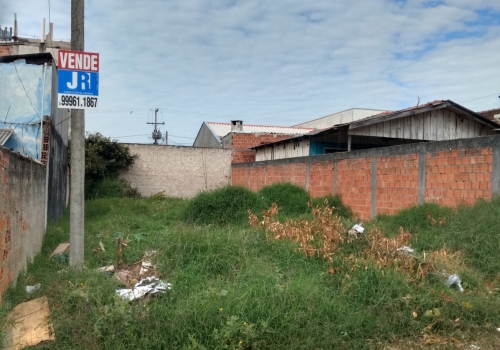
(22, 213)
(181, 172)
(386, 180)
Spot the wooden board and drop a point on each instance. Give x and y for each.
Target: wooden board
(29, 325)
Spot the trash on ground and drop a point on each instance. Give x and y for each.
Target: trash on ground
(406, 250)
(455, 279)
(109, 268)
(147, 265)
(102, 246)
(149, 285)
(356, 230)
(474, 347)
(31, 289)
(61, 248)
(30, 325)
(125, 277)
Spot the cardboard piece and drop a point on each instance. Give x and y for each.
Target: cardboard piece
(28, 325)
(61, 248)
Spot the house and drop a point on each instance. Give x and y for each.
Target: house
(240, 137)
(492, 114)
(32, 124)
(435, 121)
(12, 44)
(343, 117)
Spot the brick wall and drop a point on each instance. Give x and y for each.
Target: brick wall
(247, 140)
(354, 178)
(459, 176)
(240, 142)
(179, 171)
(5, 50)
(243, 156)
(397, 183)
(386, 180)
(22, 214)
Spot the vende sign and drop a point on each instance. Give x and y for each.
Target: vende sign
(78, 79)
(76, 60)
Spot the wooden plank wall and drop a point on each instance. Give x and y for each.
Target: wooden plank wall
(437, 125)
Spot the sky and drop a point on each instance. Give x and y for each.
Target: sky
(279, 62)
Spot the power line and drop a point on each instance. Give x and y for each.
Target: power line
(479, 98)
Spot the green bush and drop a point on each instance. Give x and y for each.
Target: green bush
(291, 199)
(336, 202)
(226, 205)
(109, 188)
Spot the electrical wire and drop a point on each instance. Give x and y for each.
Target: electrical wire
(479, 98)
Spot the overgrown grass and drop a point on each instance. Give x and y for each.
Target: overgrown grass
(110, 187)
(292, 199)
(235, 289)
(226, 205)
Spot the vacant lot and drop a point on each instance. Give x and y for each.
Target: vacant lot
(303, 284)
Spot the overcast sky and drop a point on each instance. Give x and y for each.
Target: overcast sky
(278, 62)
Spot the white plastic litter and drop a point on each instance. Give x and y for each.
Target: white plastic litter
(454, 279)
(474, 347)
(148, 285)
(358, 228)
(31, 289)
(406, 249)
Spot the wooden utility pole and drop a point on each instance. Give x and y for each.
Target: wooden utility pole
(77, 194)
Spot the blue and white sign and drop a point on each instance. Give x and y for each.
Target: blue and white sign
(78, 79)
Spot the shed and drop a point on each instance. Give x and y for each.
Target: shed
(434, 121)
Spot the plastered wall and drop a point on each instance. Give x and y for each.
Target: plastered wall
(181, 172)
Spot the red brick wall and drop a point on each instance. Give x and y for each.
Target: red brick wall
(397, 183)
(296, 174)
(244, 140)
(321, 179)
(5, 50)
(275, 173)
(257, 178)
(242, 156)
(354, 183)
(458, 176)
(456, 172)
(239, 177)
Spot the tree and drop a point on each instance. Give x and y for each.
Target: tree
(104, 159)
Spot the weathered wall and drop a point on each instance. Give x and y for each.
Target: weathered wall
(179, 171)
(386, 180)
(22, 214)
(57, 165)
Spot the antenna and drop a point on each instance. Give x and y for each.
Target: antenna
(156, 135)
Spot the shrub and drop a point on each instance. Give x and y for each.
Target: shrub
(341, 209)
(226, 205)
(104, 159)
(108, 188)
(291, 199)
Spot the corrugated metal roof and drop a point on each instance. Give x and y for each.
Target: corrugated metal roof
(222, 129)
(4, 135)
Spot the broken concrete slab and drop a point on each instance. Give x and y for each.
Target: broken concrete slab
(29, 325)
